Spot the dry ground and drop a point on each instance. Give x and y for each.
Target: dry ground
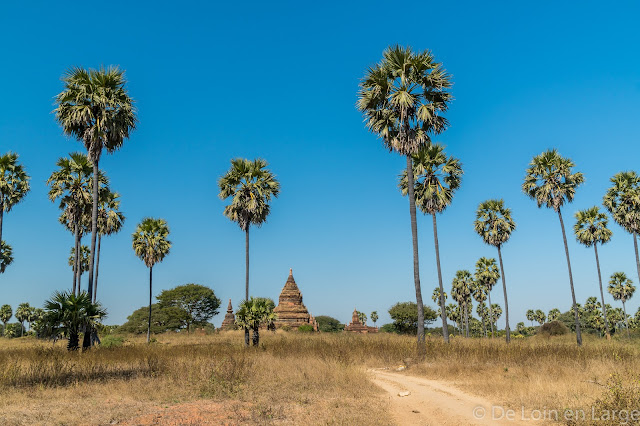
(296, 378)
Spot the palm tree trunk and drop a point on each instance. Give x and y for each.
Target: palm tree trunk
(635, 246)
(573, 293)
(94, 227)
(1, 217)
(422, 350)
(150, 296)
(506, 303)
(490, 312)
(604, 309)
(626, 320)
(75, 260)
(445, 329)
(95, 283)
(22, 328)
(466, 320)
(246, 284)
(256, 336)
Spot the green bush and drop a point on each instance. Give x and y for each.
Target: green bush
(307, 328)
(329, 324)
(553, 328)
(110, 341)
(388, 328)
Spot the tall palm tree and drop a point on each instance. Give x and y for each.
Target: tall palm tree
(623, 202)
(251, 186)
(480, 293)
(436, 178)
(22, 314)
(551, 183)
(110, 221)
(622, 289)
(403, 99)
(151, 245)
(483, 313)
(531, 316)
(486, 276)
(495, 225)
(14, 184)
(6, 256)
(590, 229)
(553, 314)
(461, 288)
(96, 109)
(5, 315)
(68, 313)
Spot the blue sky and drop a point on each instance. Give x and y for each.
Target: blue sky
(278, 80)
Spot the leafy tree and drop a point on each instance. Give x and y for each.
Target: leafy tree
(151, 245)
(96, 109)
(553, 314)
(250, 186)
(253, 313)
(199, 302)
(110, 221)
(590, 229)
(22, 314)
(622, 289)
(403, 99)
(461, 292)
(163, 318)
(5, 315)
(329, 324)
(14, 186)
(374, 317)
(494, 225)
(405, 317)
(550, 182)
(6, 256)
(623, 202)
(486, 276)
(68, 314)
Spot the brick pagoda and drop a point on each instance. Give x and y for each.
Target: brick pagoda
(229, 322)
(291, 311)
(357, 327)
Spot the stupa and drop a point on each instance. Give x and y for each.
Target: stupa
(291, 311)
(357, 327)
(229, 321)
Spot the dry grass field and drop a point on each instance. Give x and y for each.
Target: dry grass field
(296, 378)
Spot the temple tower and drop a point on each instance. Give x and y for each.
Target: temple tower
(229, 321)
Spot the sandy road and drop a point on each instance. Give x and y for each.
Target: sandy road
(433, 402)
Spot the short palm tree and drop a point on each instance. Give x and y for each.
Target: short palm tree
(453, 314)
(151, 245)
(14, 184)
(68, 313)
(254, 313)
(495, 225)
(479, 293)
(5, 315)
(374, 317)
(435, 296)
(540, 316)
(553, 314)
(486, 276)
(551, 183)
(623, 202)
(436, 179)
(83, 264)
(404, 98)
(622, 289)
(483, 313)
(110, 221)
(590, 229)
(6, 256)
(22, 314)
(531, 316)
(461, 292)
(496, 314)
(96, 109)
(250, 186)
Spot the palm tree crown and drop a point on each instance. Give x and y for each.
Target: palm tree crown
(623, 200)
(110, 218)
(14, 181)
(6, 256)
(437, 177)
(549, 180)
(621, 287)
(494, 223)
(403, 98)
(150, 241)
(487, 273)
(591, 227)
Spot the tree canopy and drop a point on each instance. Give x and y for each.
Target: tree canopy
(405, 317)
(198, 302)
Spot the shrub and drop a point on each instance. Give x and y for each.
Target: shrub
(307, 328)
(329, 324)
(388, 328)
(553, 328)
(621, 396)
(110, 341)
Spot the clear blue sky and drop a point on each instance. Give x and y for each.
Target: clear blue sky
(278, 80)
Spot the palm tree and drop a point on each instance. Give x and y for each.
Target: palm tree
(621, 288)
(83, 264)
(96, 109)
(623, 202)
(551, 183)
(496, 314)
(483, 313)
(486, 276)
(6, 256)
(374, 317)
(540, 316)
(531, 316)
(590, 229)
(479, 293)
(151, 245)
(22, 314)
(14, 184)
(68, 313)
(461, 293)
(494, 224)
(403, 99)
(554, 314)
(453, 314)
(436, 178)
(253, 313)
(110, 221)
(5, 315)
(251, 187)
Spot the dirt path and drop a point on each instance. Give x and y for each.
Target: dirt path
(432, 402)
